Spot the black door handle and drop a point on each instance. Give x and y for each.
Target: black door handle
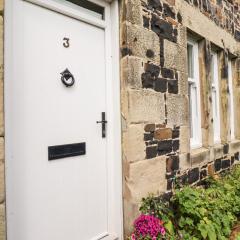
(103, 122)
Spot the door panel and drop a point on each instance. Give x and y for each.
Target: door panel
(65, 198)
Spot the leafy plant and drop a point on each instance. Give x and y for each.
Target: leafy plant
(161, 209)
(196, 213)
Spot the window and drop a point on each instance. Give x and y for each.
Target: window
(231, 105)
(215, 98)
(90, 7)
(194, 95)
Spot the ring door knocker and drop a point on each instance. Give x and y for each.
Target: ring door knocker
(67, 78)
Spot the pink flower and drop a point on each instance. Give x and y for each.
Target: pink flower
(148, 226)
(163, 231)
(133, 237)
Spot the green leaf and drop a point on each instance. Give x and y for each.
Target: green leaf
(203, 230)
(169, 226)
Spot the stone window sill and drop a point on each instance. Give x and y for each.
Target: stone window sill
(199, 156)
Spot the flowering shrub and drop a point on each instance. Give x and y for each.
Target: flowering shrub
(148, 227)
(193, 213)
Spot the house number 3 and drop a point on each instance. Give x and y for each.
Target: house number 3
(66, 43)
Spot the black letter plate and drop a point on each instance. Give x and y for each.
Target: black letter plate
(68, 150)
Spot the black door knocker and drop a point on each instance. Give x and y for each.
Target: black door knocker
(67, 78)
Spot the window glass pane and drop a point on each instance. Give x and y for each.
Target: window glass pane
(231, 102)
(94, 9)
(215, 98)
(190, 61)
(213, 66)
(194, 95)
(190, 110)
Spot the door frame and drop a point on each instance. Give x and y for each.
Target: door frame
(114, 159)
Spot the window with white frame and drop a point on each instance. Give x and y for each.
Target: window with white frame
(231, 101)
(215, 98)
(194, 95)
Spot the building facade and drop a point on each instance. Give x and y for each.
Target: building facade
(179, 87)
(179, 94)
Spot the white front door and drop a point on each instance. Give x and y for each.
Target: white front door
(57, 171)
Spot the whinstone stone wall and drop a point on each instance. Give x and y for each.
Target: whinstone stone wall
(156, 148)
(2, 182)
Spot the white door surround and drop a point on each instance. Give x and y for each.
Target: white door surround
(12, 89)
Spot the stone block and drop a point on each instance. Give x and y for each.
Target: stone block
(225, 148)
(162, 28)
(193, 175)
(131, 212)
(134, 12)
(177, 110)
(167, 73)
(172, 163)
(146, 22)
(1, 43)
(2, 183)
(2, 5)
(237, 35)
(169, 184)
(211, 169)
(155, 5)
(164, 133)
(1, 110)
(148, 136)
(217, 151)
(171, 2)
(152, 69)
(203, 174)
(173, 86)
(124, 108)
(168, 11)
(2, 222)
(234, 146)
(184, 161)
(183, 179)
(200, 156)
(150, 127)
(184, 139)
(2, 154)
(183, 83)
(226, 163)
(165, 147)
(150, 75)
(132, 69)
(175, 56)
(146, 177)
(182, 36)
(139, 40)
(146, 106)
(151, 152)
(160, 85)
(175, 145)
(236, 156)
(133, 143)
(1, 75)
(175, 133)
(218, 165)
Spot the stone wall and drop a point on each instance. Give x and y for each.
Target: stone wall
(224, 13)
(2, 182)
(154, 94)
